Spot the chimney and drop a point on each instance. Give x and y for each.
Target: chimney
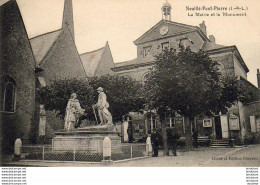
(203, 28)
(258, 78)
(212, 39)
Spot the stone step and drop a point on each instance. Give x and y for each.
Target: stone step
(219, 146)
(214, 141)
(220, 143)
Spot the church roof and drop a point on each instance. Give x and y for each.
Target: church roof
(131, 64)
(126, 63)
(90, 60)
(41, 44)
(166, 4)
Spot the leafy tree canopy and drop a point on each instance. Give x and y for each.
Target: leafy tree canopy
(123, 95)
(56, 95)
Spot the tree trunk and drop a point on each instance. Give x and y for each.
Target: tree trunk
(188, 134)
(164, 137)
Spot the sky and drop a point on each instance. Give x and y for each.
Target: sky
(120, 22)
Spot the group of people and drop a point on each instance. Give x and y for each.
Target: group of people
(156, 140)
(74, 110)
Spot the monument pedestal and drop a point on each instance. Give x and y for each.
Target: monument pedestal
(88, 138)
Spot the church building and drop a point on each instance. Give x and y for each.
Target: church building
(29, 63)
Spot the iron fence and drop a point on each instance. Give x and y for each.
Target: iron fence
(50, 153)
(129, 151)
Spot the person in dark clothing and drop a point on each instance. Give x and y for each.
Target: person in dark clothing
(195, 138)
(155, 139)
(172, 138)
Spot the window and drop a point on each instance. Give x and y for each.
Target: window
(150, 122)
(185, 42)
(144, 78)
(146, 51)
(165, 46)
(7, 94)
(179, 122)
(207, 122)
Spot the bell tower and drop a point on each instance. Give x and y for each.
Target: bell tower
(166, 11)
(68, 16)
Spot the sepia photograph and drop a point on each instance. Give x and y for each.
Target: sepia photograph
(130, 83)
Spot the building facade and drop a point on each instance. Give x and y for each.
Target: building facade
(17, 75)
(167, 34)
(27, 64)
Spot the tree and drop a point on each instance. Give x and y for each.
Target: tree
(124, 94)
(56, 95)
(188, 83)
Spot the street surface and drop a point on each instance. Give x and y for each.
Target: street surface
(204, 157)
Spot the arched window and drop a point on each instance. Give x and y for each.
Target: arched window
(144, 78)
(8, 86)
(220, 68)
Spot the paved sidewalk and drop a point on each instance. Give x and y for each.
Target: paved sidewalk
(247, 156)
(203, 157)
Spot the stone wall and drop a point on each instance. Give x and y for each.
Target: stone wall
(173, 43)
(251, 109)
(136, 73)
(226, 59)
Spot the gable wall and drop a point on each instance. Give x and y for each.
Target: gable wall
(105, 64)
(156, 46)
(239, 71)
(63, 60)
(17, 61)
(226, 59)
(174, 28)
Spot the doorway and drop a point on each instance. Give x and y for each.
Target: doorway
(218, 128)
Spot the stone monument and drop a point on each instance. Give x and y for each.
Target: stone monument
(90, 137)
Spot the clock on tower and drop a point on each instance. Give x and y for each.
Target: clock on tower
(164, 30)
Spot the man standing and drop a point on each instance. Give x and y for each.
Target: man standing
(172, 138)
(102, 106)
(155, 138)
(195, 138)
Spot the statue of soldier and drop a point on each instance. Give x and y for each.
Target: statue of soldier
(102, 105)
